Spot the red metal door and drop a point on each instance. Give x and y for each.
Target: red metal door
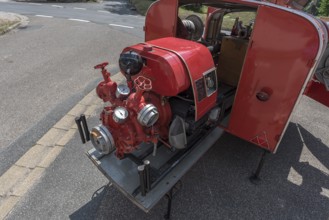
(317, 91)
(161, 20)
(278, 62)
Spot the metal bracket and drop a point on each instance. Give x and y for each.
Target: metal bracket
(170, 196)
(83, 131)
(166, 168)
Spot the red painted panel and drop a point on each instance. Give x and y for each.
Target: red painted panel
(161, 19)
(277, 64)
(197, 60)
(166, 71)
(210, 11)
(172, 62)
(318, 92)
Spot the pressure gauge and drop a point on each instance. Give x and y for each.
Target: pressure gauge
(120, 114)
(122, 91)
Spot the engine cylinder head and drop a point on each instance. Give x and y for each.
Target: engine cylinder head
(148, 116)
(102, 139)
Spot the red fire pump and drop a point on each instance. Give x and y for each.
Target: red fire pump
(142, 110)
(132, 118)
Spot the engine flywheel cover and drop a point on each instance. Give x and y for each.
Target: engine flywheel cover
(102, 139)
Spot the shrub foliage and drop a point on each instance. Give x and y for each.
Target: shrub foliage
(324, 8)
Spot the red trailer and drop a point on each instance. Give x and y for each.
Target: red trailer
(193, 79)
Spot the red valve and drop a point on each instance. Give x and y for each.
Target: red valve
(101, 65)
(129, 134)
(105, 73)
(143, 83)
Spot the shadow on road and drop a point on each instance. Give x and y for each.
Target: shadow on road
(295, 185)
(121, 7)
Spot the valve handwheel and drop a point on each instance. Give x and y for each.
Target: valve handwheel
(143, 83)
(101, 65)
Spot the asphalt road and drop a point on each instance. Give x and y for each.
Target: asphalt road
(115, 14)
(46, 69)
(295, 181)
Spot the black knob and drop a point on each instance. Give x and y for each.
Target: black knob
(130, 63)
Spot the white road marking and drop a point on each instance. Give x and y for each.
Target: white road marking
(136, 16)
(31, 3)
(73, 19)
(57, 6)
(101, 11)
(44, 16)
(118, 25)
(79, 8)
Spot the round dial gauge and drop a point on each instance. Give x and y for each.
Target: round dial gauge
(122, 91)
(120, 114)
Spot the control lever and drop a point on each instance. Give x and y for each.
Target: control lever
(155, 146)
(147, 175)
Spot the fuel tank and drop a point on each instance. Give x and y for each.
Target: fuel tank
(168, 74)
(174, 65)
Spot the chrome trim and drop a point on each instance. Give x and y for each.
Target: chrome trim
(108, 144)
(144, 117)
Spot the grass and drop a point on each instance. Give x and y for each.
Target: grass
(5, 24)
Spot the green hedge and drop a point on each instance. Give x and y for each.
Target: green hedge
(142, 5)
(324, 8)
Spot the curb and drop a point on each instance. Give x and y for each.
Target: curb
(30, 168)
(22, 23)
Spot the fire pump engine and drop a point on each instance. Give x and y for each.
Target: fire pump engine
(191, 80)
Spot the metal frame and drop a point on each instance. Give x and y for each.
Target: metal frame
(124, 175)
